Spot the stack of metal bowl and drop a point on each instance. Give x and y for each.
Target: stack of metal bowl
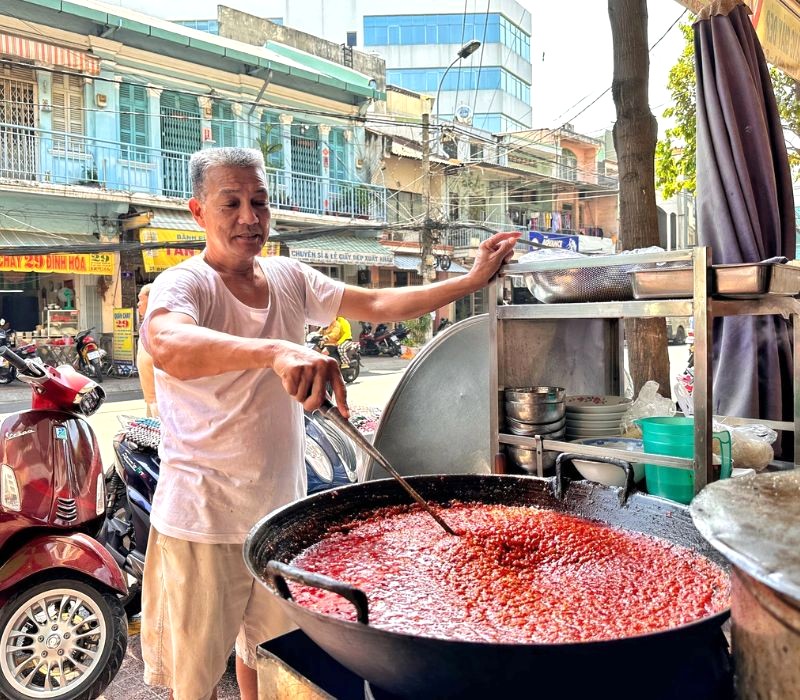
(531, 411)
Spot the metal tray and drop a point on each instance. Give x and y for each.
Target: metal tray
(785, 280)
(747, 279)
(662, 283)
(744, 280)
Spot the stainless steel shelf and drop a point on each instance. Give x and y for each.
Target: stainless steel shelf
(604, 309)
(766, 305)
(702, 307)
(589, 451)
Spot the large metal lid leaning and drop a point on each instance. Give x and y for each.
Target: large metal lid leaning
(437, 420)
(755, 522)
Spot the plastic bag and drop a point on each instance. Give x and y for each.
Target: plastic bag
(648, 403)
(751, 445)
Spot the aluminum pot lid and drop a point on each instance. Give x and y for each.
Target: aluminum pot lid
(755, 522)
(437, 420)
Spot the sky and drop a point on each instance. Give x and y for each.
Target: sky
(571, 54)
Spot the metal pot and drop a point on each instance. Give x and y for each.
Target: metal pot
(755, 522)
(409, 666)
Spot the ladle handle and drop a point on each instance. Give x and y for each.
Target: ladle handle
(330, 412)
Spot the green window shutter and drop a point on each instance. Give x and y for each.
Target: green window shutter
(133, 120)
(338, 164)
(223, 126)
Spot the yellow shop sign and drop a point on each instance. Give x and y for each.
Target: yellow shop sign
(159, 259)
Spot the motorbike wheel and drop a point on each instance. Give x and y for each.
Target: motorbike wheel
(351, 373)
(8, 375)
(97, 371)
(60, 615)
(395, 350)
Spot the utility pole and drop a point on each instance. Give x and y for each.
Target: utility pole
(425, 268)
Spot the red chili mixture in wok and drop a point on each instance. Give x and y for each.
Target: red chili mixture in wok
(515, 574)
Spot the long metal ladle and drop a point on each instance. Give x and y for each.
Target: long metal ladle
(330, 412)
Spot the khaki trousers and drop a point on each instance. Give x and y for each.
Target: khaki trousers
(198, 601)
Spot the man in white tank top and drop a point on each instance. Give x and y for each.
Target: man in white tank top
(225, 330)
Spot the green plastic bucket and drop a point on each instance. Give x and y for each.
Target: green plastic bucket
(674, 436)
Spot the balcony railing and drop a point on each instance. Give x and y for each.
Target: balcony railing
(69, 159)
(469, 237)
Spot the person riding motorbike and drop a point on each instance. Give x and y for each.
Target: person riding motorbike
(334, 336)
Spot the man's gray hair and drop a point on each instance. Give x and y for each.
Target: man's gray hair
(232, 157)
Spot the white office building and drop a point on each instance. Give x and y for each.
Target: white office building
(491, 88)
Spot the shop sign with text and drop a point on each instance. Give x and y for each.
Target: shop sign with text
(77, 264)
(159, 259)
(123, 336)
(335, 257)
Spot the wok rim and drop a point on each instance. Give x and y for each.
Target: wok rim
(688, 628)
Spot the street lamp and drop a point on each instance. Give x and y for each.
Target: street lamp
(466, 50)
(426, 242)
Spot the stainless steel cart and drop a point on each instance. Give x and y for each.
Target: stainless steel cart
(580, 346)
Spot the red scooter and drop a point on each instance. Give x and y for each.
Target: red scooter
(63, 631)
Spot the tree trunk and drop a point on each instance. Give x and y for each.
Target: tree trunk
(635, 134)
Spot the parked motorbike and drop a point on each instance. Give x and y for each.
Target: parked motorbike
(348, 354)
(383, 341)
(63, 630)
(443, 323)
(90, 355)
(131, 485)
(7, 371)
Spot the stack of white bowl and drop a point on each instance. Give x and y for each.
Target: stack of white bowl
(594, 416)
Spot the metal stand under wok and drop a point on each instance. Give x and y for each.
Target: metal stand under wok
(292, 666)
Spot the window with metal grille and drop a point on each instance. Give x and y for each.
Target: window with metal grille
(271, 140)
(68, 112)
(305, 151)
(223, 125)
(18, 143)
(133, 121)
(180, 137)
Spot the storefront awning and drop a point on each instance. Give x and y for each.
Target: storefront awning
(79, 61)
(173, 220)
(411, 262)
(340, 250)
(10, 239)
(32, 251)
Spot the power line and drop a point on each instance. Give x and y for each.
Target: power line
(602, 94)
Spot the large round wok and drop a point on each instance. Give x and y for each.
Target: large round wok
(669, 664)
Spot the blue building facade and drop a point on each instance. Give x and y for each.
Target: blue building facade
(100, 111)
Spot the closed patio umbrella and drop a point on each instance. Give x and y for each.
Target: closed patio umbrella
(745, 206)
